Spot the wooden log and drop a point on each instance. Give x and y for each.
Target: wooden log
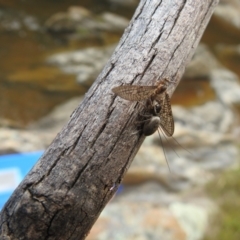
(63, 195)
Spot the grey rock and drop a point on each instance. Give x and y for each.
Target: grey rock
(31, 23)
(115, 21)
(59, 116)
(220, 157)
(192, 218)
(67, 21)
(149, 212)
(39, 134)
(187, 166)
(203, 159)
(229, 13)
(151, 164)
(226, 84)
(82, 22)
(211, 116)
(136, 221)
(86, 63)
(202, 63)
(13, 20)
(14, 140)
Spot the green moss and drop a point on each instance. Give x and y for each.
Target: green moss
(226, 193)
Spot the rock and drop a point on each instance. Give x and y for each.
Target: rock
(229, 12)
(12, 20)
(31, 23)
(226, 85)
(217, 158)
(69, 21)
(135, 221)
(150, 165)
(197, 216)
(223, 34)
(187, 166)
(202, 63)
(86, 63)
(223, 27)
(48, 127)
(39, 134)
(229, 56)
(59, 116)
(149, 211)
(204, 131)
(115, 21)
(78, 13)
(83, 23)
(207, 117)
(14, 141)
(191, 138)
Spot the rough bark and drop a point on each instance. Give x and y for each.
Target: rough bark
(63, 195)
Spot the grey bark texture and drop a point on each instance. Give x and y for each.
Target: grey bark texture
(63, 195)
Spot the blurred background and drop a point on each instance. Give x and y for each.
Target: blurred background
(52, 51)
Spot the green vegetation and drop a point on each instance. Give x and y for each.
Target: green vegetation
(226, 192)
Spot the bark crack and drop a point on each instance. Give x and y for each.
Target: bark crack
(158, 37)
(149, 64)
(177, 16)
(140, 11)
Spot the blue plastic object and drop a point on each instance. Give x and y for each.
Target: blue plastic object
(13, 168)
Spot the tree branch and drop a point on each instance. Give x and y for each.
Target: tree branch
(65, 192)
